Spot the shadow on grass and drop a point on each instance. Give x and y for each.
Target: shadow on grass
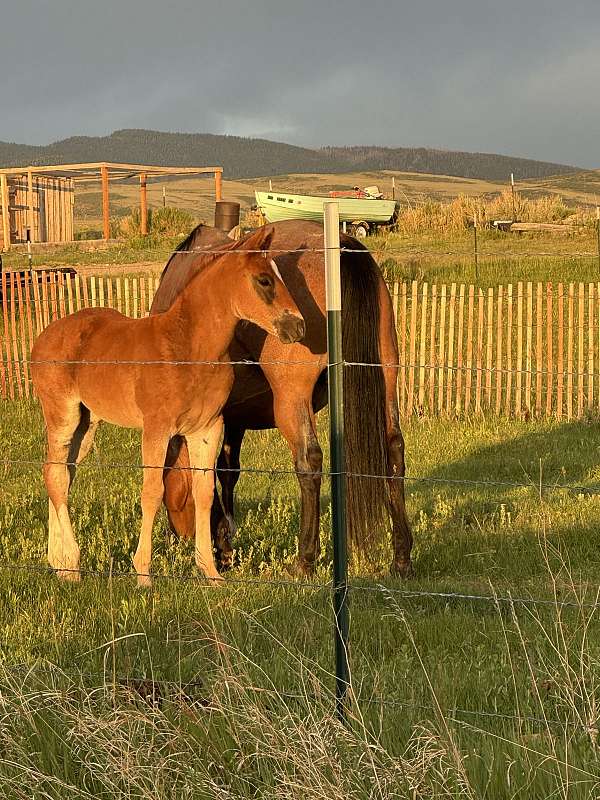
(491, 521)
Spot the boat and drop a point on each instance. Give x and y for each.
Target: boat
(357, 208)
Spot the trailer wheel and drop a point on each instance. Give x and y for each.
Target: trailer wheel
(359, 229)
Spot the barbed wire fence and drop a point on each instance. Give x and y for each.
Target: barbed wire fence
(343, 586)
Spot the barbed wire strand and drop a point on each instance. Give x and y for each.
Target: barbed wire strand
(41, 569)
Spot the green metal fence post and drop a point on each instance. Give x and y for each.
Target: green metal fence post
(335, 373)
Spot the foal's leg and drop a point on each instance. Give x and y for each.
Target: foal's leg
(295, 419)
(65, 428)
(202, 448)
(223, 518)
(154, 449)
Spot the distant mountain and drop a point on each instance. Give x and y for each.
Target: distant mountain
(253, 158)
(486, 166)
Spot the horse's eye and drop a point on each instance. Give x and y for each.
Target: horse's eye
(264, 281)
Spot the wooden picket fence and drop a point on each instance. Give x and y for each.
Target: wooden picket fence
(519, 349)
(29, 305)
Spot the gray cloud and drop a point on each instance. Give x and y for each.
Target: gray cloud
(508, 77)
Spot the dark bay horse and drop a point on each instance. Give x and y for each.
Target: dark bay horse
(288, 395)
(167, 374)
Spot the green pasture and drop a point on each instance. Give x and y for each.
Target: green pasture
(503, 257)
(191, 691)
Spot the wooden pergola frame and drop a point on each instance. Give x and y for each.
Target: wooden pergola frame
(104, 170)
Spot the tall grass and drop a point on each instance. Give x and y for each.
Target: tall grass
(459, 213)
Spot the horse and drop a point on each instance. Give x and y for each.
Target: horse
(168, 374)
(286, 387)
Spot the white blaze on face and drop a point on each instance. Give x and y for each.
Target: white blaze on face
(275, 269)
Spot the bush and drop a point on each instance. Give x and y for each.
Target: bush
(161, 223)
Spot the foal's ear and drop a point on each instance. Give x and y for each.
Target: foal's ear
(260, 239)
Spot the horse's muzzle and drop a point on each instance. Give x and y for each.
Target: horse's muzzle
(290, 328)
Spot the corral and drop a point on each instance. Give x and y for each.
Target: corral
(37, 201)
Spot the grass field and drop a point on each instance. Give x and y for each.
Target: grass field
(189, 691)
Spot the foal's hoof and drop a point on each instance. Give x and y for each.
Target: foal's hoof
(402, 569)
(301, 568)
(144, 582)
(71, 575)
(216, 580)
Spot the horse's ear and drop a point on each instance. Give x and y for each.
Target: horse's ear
(259, 240)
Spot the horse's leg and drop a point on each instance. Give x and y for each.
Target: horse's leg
(228, 471)
(66, 428)
(295, 419)
(154, 450)
(202, 449)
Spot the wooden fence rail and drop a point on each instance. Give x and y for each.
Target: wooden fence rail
(521, 349)
(29, 304)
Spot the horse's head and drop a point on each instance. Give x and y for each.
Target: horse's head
(260, 295)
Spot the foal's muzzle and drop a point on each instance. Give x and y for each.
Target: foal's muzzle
(289, 328)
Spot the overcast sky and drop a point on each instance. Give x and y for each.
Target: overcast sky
(519, 77)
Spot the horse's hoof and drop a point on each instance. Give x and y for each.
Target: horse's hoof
(216, 580)
(301, 569)
(402, 569)
(224, 561)
(71, 575)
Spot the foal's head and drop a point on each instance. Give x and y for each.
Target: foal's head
(260, 295)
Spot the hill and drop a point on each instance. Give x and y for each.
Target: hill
(250, 158)
(483, 166)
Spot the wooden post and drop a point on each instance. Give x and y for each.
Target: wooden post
(539, 364)
(509, 345)
(459, 347)
(479, 355)
(432, 341)
(4, 197)
(469, 368)
(450, 355)
(218, 185)
(580, 348)
(590, 394)
(30, 214)
(412, 348)
(571, 305)
(549, 345)
(105, 203)
(475, 252)
(488, 355)
(423, 339)
(441, 349)
(528, 347)
(560, 376)
(519, 348)
(403, 349)
(499, 372)
(143, 204)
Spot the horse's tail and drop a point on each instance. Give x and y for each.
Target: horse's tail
(364, 400)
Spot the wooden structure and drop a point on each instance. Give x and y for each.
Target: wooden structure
(37, 202)
(523, 349)
(40, 213)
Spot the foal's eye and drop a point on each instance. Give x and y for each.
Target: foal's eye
(264, 281)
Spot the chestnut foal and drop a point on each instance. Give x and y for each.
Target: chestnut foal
(146, 373)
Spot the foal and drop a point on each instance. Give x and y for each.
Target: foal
(145, 373)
